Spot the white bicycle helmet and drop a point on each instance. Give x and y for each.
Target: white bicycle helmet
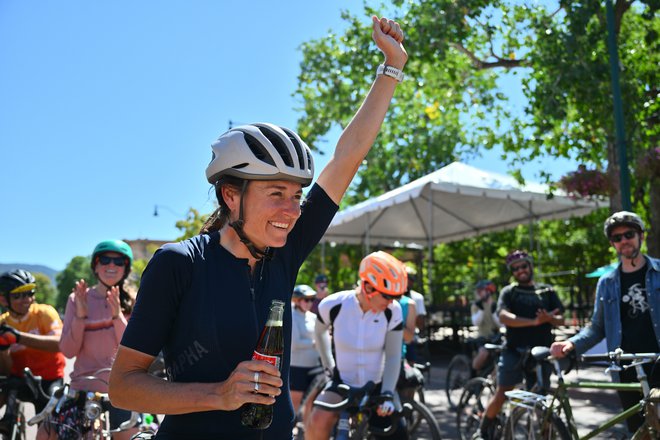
(261, 151)
(623, 218)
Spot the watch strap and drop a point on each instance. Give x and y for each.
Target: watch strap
(390, 71)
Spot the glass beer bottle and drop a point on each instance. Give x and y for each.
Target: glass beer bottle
(270, 349)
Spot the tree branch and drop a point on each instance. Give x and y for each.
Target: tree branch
(481, 64)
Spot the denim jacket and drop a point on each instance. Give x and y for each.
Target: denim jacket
(606, 317)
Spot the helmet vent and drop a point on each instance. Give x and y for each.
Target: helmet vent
(258, 150)
(299, 150)
(278, 144)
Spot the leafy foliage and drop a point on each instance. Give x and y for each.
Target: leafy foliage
(451, 104)
(191, 225)
(45, 292)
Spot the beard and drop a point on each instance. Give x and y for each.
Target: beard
(629, 251)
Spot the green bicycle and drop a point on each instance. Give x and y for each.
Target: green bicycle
(536, 416)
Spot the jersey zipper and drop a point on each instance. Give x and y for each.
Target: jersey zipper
(254, 284)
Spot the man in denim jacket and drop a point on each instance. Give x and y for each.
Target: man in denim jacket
(627, 307)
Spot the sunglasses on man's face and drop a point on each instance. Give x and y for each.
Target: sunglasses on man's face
(389, 297)
(308, 300)
(519, 267)
(118, 261)
(21, 295)
(628, 235)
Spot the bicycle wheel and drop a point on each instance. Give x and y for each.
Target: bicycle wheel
(421, 423)
(524, 423)
(472, 405)
(14, 428)
(458, 373)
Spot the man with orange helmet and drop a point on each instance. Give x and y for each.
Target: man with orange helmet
(367, 335)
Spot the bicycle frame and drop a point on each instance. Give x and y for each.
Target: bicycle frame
(559, 400)
(561, 396)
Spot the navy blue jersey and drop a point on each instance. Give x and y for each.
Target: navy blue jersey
(203, 308)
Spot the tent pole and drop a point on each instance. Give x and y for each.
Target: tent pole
(367, 240)
(537, 262)
(430, 246)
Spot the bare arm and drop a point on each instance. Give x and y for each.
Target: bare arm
(409, 329)
(358, 137)
(512, 320)
(5, 362)
(131, 387)
(49, 343)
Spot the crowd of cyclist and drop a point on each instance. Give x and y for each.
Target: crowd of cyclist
(202, 301)
(372, 325)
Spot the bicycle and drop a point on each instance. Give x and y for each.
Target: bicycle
(537, 416)
(359, 404)
(313, 390)
(82, 414)
(460, 371)
(13, 424)
(419, 418)
(476, 394)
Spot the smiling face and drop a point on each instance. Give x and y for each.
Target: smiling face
(522, 272)
(271, 209)
(110, 274)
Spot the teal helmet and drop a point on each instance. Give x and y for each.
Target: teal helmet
(117, 246)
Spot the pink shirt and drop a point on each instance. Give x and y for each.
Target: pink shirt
(93, 341)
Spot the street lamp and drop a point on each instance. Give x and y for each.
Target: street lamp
(167, 208)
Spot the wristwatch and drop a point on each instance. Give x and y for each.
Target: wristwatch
(390, 71)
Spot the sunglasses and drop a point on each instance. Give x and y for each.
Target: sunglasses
(308, 300)
(21, 295)
(628, 235)
(389, 297)
(519, 267)
(118, 261)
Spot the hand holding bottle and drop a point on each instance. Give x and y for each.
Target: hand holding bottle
(241, 388)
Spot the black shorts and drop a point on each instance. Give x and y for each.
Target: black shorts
(300, 378)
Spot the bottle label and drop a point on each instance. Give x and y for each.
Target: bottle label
(273, 360)
(273, 323)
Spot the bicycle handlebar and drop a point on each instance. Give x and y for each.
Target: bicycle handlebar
(619, 355)
(352, 396)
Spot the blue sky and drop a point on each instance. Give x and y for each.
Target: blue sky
(109, 108)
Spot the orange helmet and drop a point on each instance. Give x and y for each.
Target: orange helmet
(384, 272)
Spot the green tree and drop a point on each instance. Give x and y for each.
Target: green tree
(191, 225)
(78, 268)
(451, 105)
(45, 292)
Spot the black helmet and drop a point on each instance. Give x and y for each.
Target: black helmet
(321, 278)
(623, 218)
(14, 280)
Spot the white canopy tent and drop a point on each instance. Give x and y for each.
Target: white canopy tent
(455, 202)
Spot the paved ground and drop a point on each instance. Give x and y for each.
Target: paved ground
(590, 408)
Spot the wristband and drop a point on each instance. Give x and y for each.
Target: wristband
(390, 71)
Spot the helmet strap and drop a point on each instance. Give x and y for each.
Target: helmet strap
(238, 227)
(9, 307)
